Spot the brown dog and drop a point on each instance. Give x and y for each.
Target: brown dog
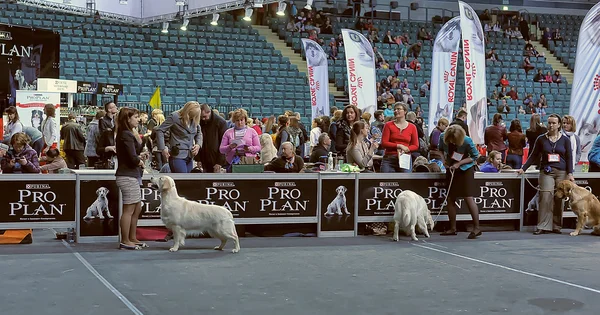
(583, 203)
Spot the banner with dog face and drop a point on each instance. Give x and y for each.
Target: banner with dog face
(473, 44)
(268, 198)
(444, 60)
(37, 201)
(337, 204)
(30, 106)
(378, 197)
(99, 208)
(585, 97)
(318, 78)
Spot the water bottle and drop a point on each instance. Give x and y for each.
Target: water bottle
(330, 162)
(71, 235)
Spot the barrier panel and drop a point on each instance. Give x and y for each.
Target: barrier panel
(99, 205)
(338, 198)
(38, 201)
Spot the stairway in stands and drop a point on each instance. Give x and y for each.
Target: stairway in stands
(552, 60)
(296, 59)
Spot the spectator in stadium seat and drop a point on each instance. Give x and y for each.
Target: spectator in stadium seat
(312, 35)
(528, 101)
(415, 49)
(522, 110)
(288, 162)
(359, 25)
(543, 100)
(539, 77)
(291, 27)
(460, 119)
(524, 27)
(399, 137)
(333, 50)
(424, 88)
(240, 142)
(503, 82)
(213, 128)
(557, 78)
(513, 94)
(493, 164)
(553, 150)
(424, 35)
(460, 155)
(327, 28)
(389, 39)
(546, 37)
(415, 64)
(492, 55)
(502, 107)
(185, 137)
(569, 129)
(527, 65)
(516, 143)
(556, 36)
(300, 20)
(378, 56)
(373, 37)
(548, 77)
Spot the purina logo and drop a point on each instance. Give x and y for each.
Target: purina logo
(223, 184)
(5, 35)
(285, 184)
(597, 82)
(446, 74)
(37, 186)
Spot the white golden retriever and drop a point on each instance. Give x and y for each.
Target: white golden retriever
(411, 210)
(100, 205)
(182, 216)
(338, 203)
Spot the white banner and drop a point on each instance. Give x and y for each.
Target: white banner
(585, 95)
(30, 106)
(473, 44)
(444, 60)
(360, 67)
(318, 78)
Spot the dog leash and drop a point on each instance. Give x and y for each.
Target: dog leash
(445, 202)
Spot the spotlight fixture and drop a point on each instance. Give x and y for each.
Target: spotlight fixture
(215, 19)
(165, 28)
(185, 24)
(281, 8)
(309, 4)
(248, 14)
(180, 3)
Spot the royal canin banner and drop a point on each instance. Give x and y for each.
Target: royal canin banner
(445, 60)
(360, 65)
(318, 78)
(473, 44)
(585, 98)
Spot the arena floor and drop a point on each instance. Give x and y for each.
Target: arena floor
(502, 272)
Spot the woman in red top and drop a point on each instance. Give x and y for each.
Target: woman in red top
(399, 137)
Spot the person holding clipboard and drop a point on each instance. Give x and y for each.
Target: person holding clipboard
(399, 138)
(460, 154)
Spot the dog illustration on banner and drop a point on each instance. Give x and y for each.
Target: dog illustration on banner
(100, 205)
(338, 203)
(534, 203)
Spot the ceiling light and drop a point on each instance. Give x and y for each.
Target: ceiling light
(281, 8)
(185, 24)
(248, 14)
(215, 19)
(165, 28)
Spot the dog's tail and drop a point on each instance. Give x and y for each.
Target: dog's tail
(402, 203)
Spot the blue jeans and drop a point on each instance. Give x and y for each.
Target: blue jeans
(181, 165)
(389, 164)
(514, 161)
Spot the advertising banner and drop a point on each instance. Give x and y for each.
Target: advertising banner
(30, 106)
(37, 201)
(444, 60)
(26, 54)
(318, 78)
(360, 68)
(473, 43)
(585, 95)
(99, 207)
(57, 85)
(337, 204)
(377, 197)
(110, 89)
(245, 198)
(87, 87)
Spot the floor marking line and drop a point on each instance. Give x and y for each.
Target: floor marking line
(440, 262)
(107, 284)
(510, 269)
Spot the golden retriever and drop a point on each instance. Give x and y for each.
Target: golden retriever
(410, 212)
(583, 203)
(180, 216)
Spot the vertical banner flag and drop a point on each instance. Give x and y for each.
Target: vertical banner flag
(585, 95)
(30, 106)
(360, 66)
(445, 60)
(318, 78)
(474, 63)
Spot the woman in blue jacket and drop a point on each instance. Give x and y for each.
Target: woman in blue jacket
(460, 154)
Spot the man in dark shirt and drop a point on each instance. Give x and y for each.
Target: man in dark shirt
(460, 120)
(213, 127)
(288, 162)
(106, 148)
(322, 148)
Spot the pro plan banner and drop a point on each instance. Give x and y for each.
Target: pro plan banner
(585, 98)
(244, 198)
(37, 201)
(360, 66)
(378, 197)
(474, 64)
(30, 106)
(318, 78)
(99, 207)
(110, 89)
(337, 203)
(87, 87)
(26, 54)
(445, 60)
